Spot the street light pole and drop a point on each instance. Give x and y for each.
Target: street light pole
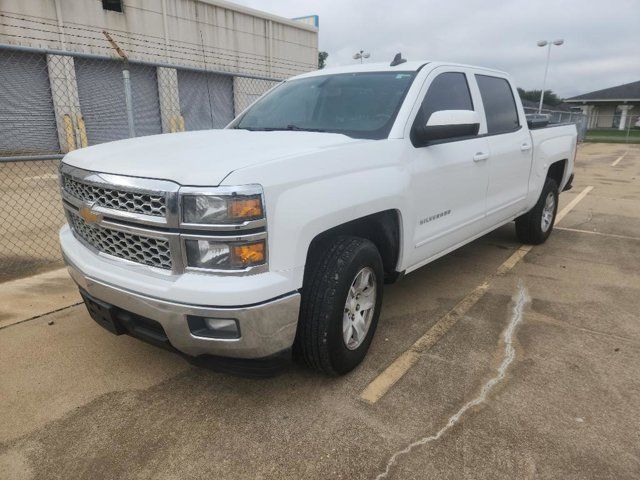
(360, 55)
(546, 43)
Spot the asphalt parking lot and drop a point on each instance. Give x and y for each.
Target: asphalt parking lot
(495, 362)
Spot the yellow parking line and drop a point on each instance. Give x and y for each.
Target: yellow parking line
(394, 372)
(572, 204)
(401, 365)
(617, 160)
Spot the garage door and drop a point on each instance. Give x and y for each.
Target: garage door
(206, 99)
(27, 117)
(101, 91)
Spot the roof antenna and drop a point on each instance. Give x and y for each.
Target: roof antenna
(397, 60)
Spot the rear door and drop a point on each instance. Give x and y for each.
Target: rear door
(449, 179)
(510, 147)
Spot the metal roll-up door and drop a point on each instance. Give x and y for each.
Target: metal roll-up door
(221, 98)
(206, 99)
(27, 117)
(102, 101)
(146, 102)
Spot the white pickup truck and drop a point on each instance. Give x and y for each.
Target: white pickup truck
(277, 233)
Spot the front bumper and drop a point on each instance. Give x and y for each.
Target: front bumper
(266, 328)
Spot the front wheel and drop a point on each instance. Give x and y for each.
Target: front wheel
(341, 300)
(535, 226)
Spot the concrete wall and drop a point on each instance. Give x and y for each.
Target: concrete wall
(201, 33)
(205, 34)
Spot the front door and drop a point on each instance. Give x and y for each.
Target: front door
(449, 179)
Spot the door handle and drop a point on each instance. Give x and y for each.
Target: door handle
(480, 156)
(525, 147)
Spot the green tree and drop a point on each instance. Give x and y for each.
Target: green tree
(550, 98)
(322, 59)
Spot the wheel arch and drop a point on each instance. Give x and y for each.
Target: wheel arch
(556, 171)
(383, 229)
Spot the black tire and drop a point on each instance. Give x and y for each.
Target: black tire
(333, 266)
(529, 226)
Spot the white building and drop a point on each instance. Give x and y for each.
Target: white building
(238, 47)
(611, 107)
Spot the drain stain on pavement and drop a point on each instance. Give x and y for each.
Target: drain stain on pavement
(520, 299)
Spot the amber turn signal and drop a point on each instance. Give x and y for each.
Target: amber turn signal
(246, 208)
(249, 254)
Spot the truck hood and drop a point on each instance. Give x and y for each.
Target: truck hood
(202, 158)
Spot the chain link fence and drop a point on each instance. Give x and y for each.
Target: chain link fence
(623, 126)
(616, 128)
(30, 216)
(53, 102)
(559, 117)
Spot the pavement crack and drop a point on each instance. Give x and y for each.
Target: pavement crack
(40, 316)
(519, 301)
(564, 324)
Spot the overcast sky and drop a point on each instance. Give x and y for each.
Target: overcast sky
(602, 38)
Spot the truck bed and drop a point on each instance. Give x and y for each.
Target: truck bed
(553, 143)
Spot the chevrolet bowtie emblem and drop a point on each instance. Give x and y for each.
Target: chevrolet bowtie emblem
(87, 213)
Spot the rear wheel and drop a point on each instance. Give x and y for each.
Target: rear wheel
(535, 226)
(341, 300)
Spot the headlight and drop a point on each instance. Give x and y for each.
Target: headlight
(221, 209)
(220, 255)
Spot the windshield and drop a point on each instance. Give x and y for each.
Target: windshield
(361, 105)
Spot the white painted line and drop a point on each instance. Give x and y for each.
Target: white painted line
(520, 299)
(613, 235)
(617, 160)
(401, 365)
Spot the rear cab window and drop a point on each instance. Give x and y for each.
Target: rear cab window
(499, 104)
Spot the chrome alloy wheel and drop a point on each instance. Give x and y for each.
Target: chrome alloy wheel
(547, 212)
(359, 308)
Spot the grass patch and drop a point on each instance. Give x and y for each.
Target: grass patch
(615, 136)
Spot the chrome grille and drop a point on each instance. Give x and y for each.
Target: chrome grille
(134, 202)
(154, 252)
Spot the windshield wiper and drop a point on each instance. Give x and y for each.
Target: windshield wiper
(302, 129)
(251, 129)
(290, 128)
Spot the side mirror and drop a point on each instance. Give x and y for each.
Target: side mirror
(447, 124)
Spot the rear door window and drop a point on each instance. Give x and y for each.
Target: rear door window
(499, 104)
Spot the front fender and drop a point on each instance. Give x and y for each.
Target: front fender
(306, 196)
(304, 212)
